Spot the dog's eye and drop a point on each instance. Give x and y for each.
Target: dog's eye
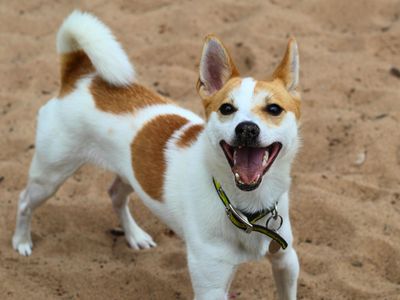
(274, 109)
(227, 109)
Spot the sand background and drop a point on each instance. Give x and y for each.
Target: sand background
(346, 189)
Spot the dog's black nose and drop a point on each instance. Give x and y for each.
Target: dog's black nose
(247, 131)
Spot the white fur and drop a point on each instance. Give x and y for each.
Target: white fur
(73, 131)
(83, 31)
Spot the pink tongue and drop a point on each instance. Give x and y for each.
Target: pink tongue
(248, 163)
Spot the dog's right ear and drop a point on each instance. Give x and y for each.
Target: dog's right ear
(216, 67)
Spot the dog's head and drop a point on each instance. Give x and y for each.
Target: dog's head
(254, 123)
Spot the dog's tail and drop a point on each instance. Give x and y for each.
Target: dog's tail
(84, 32)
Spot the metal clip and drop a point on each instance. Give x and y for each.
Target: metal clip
(228, 211)
(274, 212)
(239, 215)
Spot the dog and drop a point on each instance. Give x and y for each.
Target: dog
(215, 180)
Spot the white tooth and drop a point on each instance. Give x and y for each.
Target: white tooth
(234, 157)
(256, 180)
(265, 159)
(238, 179)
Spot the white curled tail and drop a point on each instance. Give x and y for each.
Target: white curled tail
(83, 31)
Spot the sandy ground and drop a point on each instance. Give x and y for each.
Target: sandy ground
(346, 188)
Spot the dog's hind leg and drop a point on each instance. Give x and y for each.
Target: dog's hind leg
(44, 180)
(137, 238)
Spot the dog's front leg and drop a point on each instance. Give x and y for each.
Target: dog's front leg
(210, 277)
(285, 264)
(285, 267)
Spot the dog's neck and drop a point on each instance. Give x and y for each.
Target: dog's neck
(274, 184)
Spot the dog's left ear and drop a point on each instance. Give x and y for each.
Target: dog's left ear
(216, 67)
(288, 69)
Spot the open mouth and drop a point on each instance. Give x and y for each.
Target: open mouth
(249, 164)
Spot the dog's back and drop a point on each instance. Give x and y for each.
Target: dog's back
(102, 116)
(100, 107)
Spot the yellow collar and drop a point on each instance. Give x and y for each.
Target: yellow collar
(247, 222)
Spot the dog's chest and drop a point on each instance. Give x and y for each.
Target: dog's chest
(250, 246)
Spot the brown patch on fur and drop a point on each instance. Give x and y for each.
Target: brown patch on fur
(123, 99)
(74, 65)
(148, 152)
(190, 135)
(214, 102)
(277, 95)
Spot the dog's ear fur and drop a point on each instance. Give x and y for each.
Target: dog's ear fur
(288, 69)
(216, 67)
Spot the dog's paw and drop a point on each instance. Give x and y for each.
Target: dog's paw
(140, 240)
(22, 246)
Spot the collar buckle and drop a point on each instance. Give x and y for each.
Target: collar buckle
(233, 212)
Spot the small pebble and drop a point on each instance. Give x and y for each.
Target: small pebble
(357, 264)
(360, 159)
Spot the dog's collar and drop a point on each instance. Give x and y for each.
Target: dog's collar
(246, 222)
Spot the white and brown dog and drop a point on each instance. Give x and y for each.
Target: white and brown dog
(184, 168)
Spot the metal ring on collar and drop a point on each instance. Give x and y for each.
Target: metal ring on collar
(276, 218)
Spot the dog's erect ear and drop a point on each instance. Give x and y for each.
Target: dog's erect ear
(216, 67)
(288, 69)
